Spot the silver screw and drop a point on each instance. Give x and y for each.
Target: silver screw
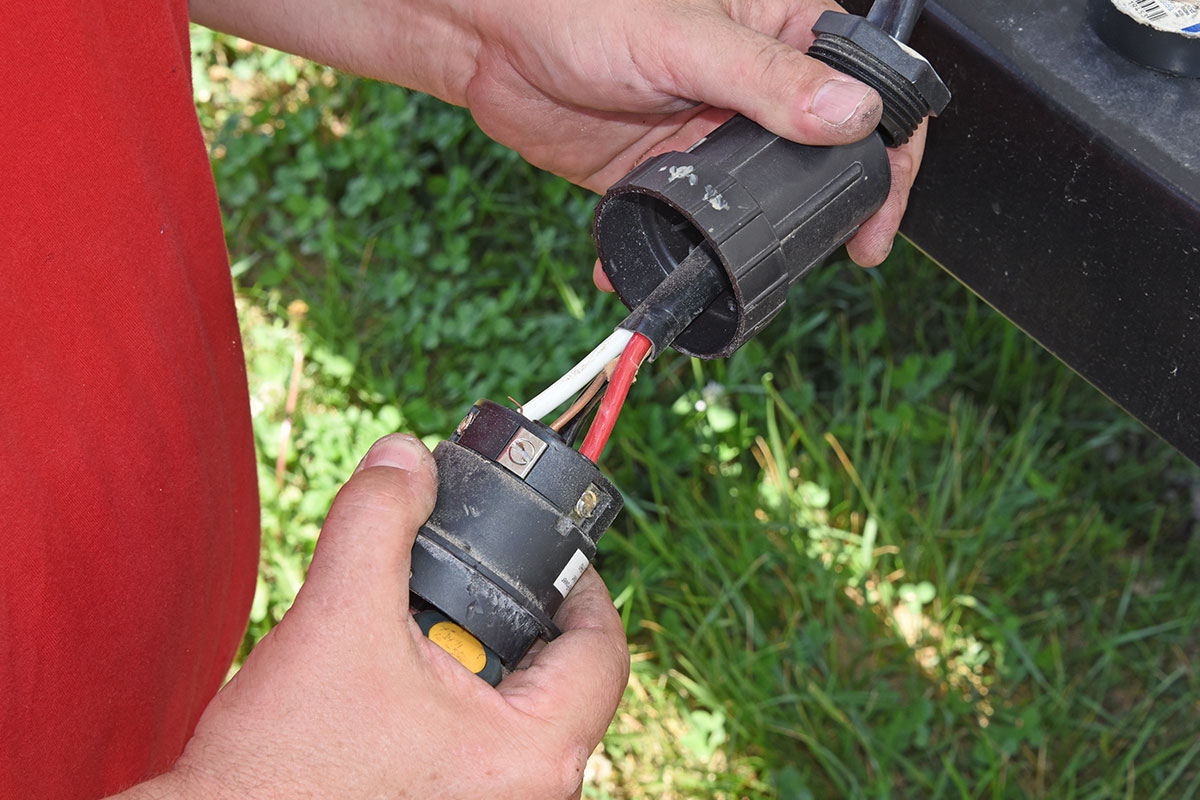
(587, 503)
(520, 452)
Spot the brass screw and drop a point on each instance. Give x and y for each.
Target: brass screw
(587, 502)
(466, 422)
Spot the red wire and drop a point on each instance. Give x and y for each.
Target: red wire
(610, 407)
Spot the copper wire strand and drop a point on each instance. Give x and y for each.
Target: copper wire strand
(588, 393)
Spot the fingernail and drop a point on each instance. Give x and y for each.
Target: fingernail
(839, 100)
(395, 450)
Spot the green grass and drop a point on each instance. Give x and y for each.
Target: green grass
(891, 548)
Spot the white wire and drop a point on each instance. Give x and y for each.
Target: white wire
(578, 376)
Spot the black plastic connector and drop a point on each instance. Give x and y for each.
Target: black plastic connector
(517, 519)
(763, 211)
(756, 211)
(1158, 45)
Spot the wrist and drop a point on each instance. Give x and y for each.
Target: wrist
(390, 41)
(428, 46)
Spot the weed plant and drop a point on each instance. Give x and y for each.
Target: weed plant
(890, 548)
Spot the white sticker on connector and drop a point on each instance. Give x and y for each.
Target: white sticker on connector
(571, 573)
(1169, 16)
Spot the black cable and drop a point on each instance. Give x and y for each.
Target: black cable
(571, 430)
(678, 299)
(897, 18)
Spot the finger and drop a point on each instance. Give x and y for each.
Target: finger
(871, 245)
(799, 16)
(732, 66)
(365, 546)
(575, 683)
(600, 279)
(679, 131)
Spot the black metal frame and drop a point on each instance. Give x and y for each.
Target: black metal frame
(1062, 185)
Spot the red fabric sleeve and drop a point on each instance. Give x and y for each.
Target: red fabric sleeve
(127, 473)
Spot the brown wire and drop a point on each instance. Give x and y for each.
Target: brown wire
(588, 393)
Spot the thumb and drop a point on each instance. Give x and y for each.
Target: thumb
(600, 279)
(365, 547)
(777, 86)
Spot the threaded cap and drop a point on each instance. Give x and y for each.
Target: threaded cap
(908, 84)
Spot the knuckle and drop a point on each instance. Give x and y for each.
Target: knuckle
(747, 12)
(904, 168)
(572, 764)
(624, 662)
(558, 770)
(614, 660)
(775, 62)
(552, 777)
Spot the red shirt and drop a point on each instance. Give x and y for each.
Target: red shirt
(127, 474)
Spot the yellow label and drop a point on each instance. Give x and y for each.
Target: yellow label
(465, 648)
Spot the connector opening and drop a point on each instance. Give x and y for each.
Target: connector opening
(641, 237)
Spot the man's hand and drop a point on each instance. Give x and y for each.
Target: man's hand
(345, 697)
(589, 90)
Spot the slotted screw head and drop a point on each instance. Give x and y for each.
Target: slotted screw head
(521, 452)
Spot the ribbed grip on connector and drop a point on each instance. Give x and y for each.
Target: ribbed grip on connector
(763, 210)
